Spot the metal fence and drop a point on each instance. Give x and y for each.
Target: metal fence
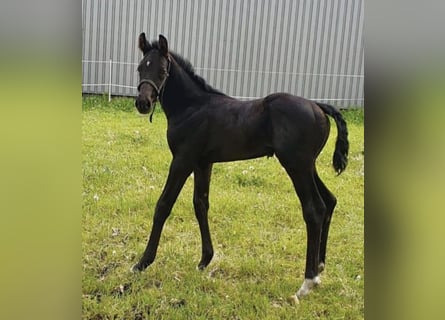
(247, 49)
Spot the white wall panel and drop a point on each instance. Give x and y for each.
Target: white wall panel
(249, 48)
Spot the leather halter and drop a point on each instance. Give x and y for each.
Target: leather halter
(155, 87)
(153, 84)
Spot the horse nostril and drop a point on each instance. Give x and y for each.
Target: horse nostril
(142, 105)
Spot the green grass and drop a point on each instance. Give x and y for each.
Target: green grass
(255, 220)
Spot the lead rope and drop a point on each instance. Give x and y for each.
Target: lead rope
(151, 114)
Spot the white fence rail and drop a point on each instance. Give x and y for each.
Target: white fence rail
(107, 83)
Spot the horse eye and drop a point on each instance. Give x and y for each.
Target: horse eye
(148, 63)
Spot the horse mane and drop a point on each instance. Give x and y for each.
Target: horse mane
(188, 68)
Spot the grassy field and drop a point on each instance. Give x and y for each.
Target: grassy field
(255, 220)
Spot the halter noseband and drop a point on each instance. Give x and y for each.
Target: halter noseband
(152, 83)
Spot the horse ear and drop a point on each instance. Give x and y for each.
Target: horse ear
(143, 43)
(163, 45)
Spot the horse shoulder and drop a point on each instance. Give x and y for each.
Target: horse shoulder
(188, 130)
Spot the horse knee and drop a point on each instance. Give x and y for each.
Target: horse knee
(162, 212)
(201, 204)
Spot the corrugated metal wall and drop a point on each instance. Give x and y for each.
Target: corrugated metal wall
(249, 48)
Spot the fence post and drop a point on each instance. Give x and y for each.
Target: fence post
(109, 83)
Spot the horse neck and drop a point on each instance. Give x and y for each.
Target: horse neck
(180, 91)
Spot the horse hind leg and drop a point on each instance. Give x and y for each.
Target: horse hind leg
(314, 210)
(330, 201)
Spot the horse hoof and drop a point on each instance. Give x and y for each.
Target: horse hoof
(321, 267)
(201, 266)
(137, 268)
(307, 286)
(293, 299)
(204, 263)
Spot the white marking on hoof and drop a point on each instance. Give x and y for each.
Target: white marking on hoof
(321, 267)
(293, 299)
(307, 286)
(134, 269)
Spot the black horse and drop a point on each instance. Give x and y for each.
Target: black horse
(207, 126)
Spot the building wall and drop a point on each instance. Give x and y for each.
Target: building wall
(247, 49)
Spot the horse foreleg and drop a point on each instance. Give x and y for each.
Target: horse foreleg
(201, 204)
(177, 176)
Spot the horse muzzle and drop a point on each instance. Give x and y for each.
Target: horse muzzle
(143, 105)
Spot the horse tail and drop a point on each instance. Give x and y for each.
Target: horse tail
(340, 157)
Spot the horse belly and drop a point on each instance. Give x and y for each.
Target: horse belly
(239, 150)
(244, 133)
